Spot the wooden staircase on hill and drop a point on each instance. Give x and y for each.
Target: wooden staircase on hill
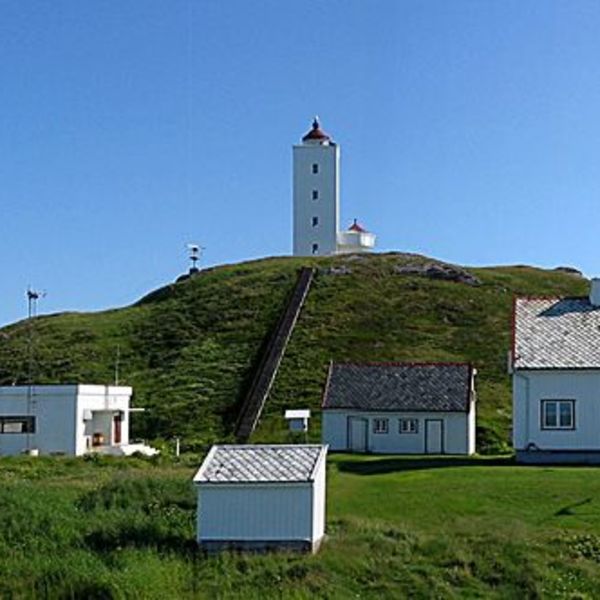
(254, 402)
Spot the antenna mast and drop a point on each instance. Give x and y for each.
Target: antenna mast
(117, 364)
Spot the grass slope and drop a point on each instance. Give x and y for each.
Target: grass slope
(398, 527)
(190, 348)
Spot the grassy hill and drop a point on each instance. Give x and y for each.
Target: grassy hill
(417, 528)
(190, 348)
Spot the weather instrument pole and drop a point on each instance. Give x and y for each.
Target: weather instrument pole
(32, 301)
(195, 253)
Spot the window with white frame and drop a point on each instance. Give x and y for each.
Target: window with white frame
(315, 194)
(17, 424)
(408, 426)
(315, 221)
(380, 425)
(558, 414)
(315, 168)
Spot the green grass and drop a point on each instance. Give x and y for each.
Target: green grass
(190, 349)
(398, 527)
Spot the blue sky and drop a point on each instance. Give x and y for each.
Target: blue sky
(469, 132)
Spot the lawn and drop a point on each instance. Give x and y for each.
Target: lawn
(398, 527)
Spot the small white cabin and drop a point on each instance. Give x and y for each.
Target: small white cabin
(261, 497)
(66, 419)
(556, 378)
(400, 408)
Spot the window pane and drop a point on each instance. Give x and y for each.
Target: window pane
(380, 425)
(14, 427)
(566, 414)
(550, 417)
(17, 424)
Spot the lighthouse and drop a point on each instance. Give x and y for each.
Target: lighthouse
(316, 200)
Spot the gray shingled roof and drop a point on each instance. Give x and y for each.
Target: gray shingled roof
(260, 464)
(556, 333)
(399, 387)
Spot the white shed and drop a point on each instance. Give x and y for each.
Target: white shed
(66, 419)
(400, 408)
(260, 497)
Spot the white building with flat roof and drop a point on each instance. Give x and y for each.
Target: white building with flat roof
(66, 419)
(260, 497)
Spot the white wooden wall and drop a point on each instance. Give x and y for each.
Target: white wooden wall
(255, 512)
(531, 387)
(459, 432)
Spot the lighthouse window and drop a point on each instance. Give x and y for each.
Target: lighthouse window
(315, 248)
(315, 168)
(315, 194)
(315, 221)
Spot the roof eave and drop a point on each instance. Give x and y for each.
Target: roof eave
(397, 410)
(556, 368)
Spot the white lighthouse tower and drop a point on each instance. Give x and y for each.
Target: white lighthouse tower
(316, 198)
(316, 193)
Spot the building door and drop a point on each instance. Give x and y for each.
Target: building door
(117, 429)
(434, 436)
(357, 434)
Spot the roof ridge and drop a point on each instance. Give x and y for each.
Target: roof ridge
(264, 446)
(404, 363)
(551, 297)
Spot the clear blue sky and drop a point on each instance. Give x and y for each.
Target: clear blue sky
(469, 130)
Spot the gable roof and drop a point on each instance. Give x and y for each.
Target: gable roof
(425, 387)
(556, 333)
(261, 463)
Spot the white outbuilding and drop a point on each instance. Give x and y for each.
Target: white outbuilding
(400, 408)
(66, 419)
(261, 497)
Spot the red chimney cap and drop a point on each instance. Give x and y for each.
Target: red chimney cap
(356, 227)
(316, 133)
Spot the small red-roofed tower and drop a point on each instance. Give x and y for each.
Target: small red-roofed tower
(355, 239)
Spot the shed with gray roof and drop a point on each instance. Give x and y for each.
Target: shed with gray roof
(259, 497)
(400, 408)
(556, 377)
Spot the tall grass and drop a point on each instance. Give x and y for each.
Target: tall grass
(397, 528)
